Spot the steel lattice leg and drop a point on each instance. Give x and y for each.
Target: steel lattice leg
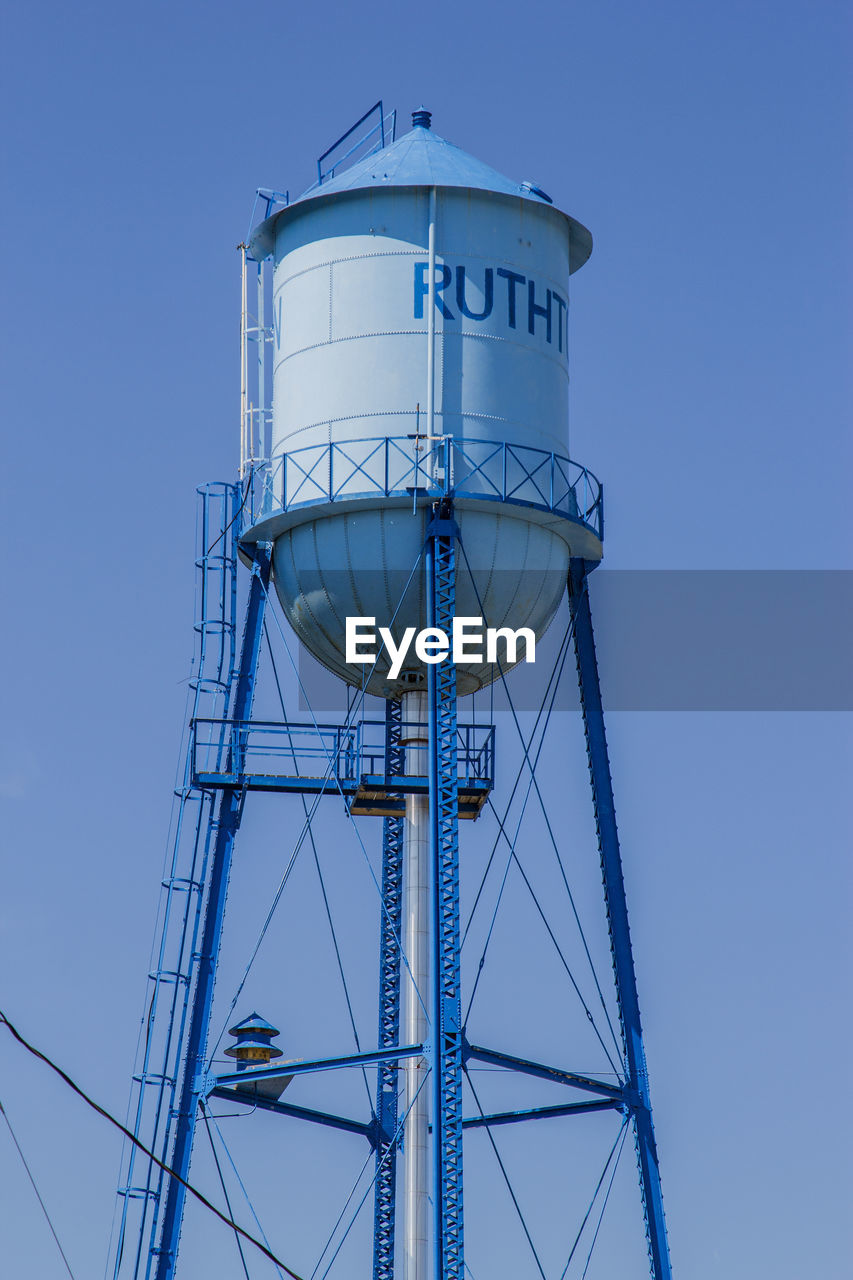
(446, 1019)
(384, 1212)
(225, 819)
(617, 919)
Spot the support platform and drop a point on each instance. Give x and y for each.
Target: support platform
(334, 760)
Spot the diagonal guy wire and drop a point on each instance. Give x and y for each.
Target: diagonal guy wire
(507, 1181)
(620, 1134)
(532, 769)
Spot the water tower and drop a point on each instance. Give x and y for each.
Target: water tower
(405, 468)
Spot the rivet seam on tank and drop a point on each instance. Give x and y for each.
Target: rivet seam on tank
(494, 556)
(401, 253)
(403, 333)
(384, 561)
(514, 596)
(394, 413)
(560, 360)
(351, 573)
(329, 603)
(534, 310)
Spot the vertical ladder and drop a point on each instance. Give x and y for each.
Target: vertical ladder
(223, 823)
(179, 916)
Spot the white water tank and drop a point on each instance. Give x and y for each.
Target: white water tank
(350, 321)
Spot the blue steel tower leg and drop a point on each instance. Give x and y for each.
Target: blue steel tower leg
(389, 1011)
(446, 1014)
(617, 919)
(226, 819)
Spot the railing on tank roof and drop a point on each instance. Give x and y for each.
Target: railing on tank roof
(378, 136)
(418, 466)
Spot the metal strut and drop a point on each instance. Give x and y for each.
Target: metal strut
(225, 820)
(637, 1090)
(446, 1013)
(384, 1211)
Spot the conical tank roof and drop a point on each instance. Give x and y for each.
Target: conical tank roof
(422, 159)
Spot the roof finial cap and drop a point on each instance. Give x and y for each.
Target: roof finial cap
(421, 118)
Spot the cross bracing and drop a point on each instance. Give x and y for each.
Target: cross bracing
(465, 1070)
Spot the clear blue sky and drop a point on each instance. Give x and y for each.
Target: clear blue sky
(706, 148)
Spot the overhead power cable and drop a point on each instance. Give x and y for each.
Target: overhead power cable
(35, 1188)
(90, 1102)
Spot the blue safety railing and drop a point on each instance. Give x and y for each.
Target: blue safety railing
(475, 748)
(342, 754)
(382, 132)
(415, 466)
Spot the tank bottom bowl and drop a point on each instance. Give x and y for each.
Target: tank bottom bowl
(368, 563)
